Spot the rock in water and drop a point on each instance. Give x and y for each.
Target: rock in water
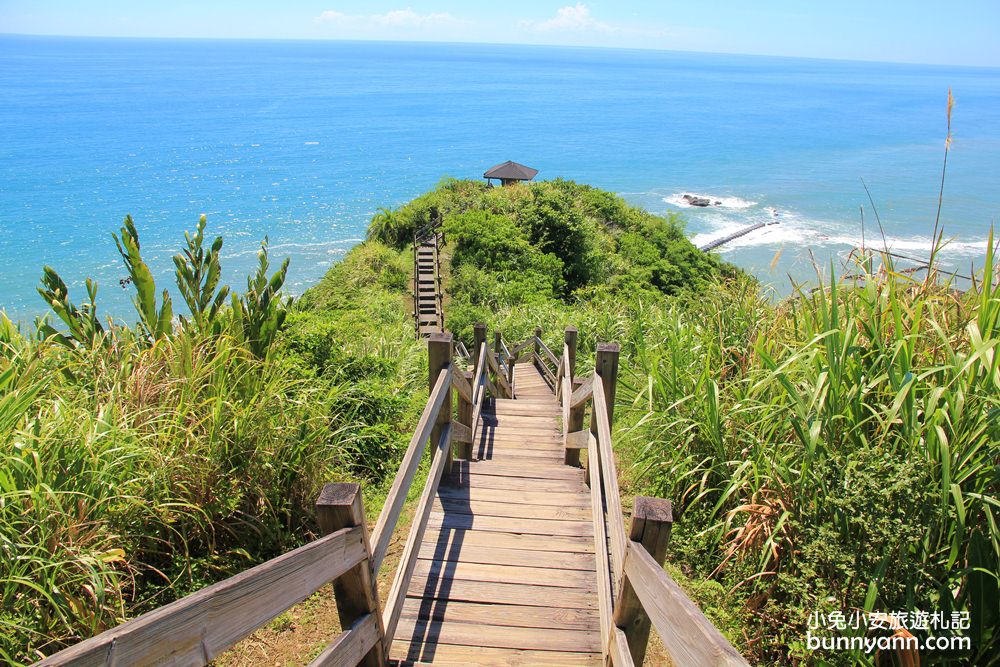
(697, 201)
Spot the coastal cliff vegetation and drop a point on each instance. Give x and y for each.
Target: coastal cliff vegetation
(833, 451)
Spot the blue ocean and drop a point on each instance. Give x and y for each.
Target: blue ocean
(302, 142)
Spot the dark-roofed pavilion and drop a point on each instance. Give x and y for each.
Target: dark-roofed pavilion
(510, 172)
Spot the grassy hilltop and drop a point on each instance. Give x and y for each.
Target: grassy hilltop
(835, 451)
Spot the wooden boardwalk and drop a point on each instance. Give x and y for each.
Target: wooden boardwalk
(427, 298)
(511, 558)
(506, 571)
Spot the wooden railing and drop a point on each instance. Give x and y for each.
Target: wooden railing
(634, 592)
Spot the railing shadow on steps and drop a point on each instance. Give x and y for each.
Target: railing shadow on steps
(634, 591)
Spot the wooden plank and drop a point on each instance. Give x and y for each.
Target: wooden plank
(564, 499)
(448, 655)
(578, 439)
(498, 636)
(199, 627)
(689, 637)
(505, 524)
(548, 353)
(618, 648)
(556, 560)
(453, 590)
(505, 574)
(485, 508)
(515, 484)
(582, 393)
(549, 409)
(604, 604)
(387, 518)
(350, 647)
(455, 540)
(460, 432)
(462, 386)
(512, 615)
(609, 475)
(501, 455)
(516, 469)
(408, 561)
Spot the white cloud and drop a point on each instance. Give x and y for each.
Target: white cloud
(573, 18)
(396, 18)
(408, 17)
(330, 16)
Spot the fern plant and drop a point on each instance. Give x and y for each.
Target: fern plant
(155, 322)
(198, 272)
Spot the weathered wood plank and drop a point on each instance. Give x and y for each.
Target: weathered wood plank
(458, 539)
(520, 616)
(496, 636)
(514, 484)
(505, 574)
(448, 655)
(484, 508)
(387, 518)
(564, 499)
(408, 561)
(582, 393)
(351, 646)
(510, 525)
(600, 539)
(556, 560)
(200, 626)
(515, 469)
(609, 475)
(690, 638)
(446, 588)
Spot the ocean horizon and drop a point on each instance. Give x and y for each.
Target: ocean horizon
(302, 142)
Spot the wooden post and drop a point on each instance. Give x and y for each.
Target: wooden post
(497, 347)
(440, 352)
(538, 350)
(606, 368)
(478, 338)
(575, 422)
(339, 506)
(651, 522)
(570, 338)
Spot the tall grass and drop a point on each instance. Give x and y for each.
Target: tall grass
(135, 469)
(837, 452)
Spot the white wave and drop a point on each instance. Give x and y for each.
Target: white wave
(678, 199)
(794, 230)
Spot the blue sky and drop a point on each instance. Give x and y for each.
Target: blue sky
(961, 32)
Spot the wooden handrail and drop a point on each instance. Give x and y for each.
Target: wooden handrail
(401, 582)
(386, 524)
(609, 476)
(350, 646)
(197, 628)
(478, 389)
(689, 637)
(604, 603)
(548, 353)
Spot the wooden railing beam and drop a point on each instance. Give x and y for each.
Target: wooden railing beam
(440, 352)
(339, 506)
(652, 519)
(606, 368)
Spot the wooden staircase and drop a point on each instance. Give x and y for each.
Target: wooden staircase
(516, 555)
(506, 570)
(428, 307)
